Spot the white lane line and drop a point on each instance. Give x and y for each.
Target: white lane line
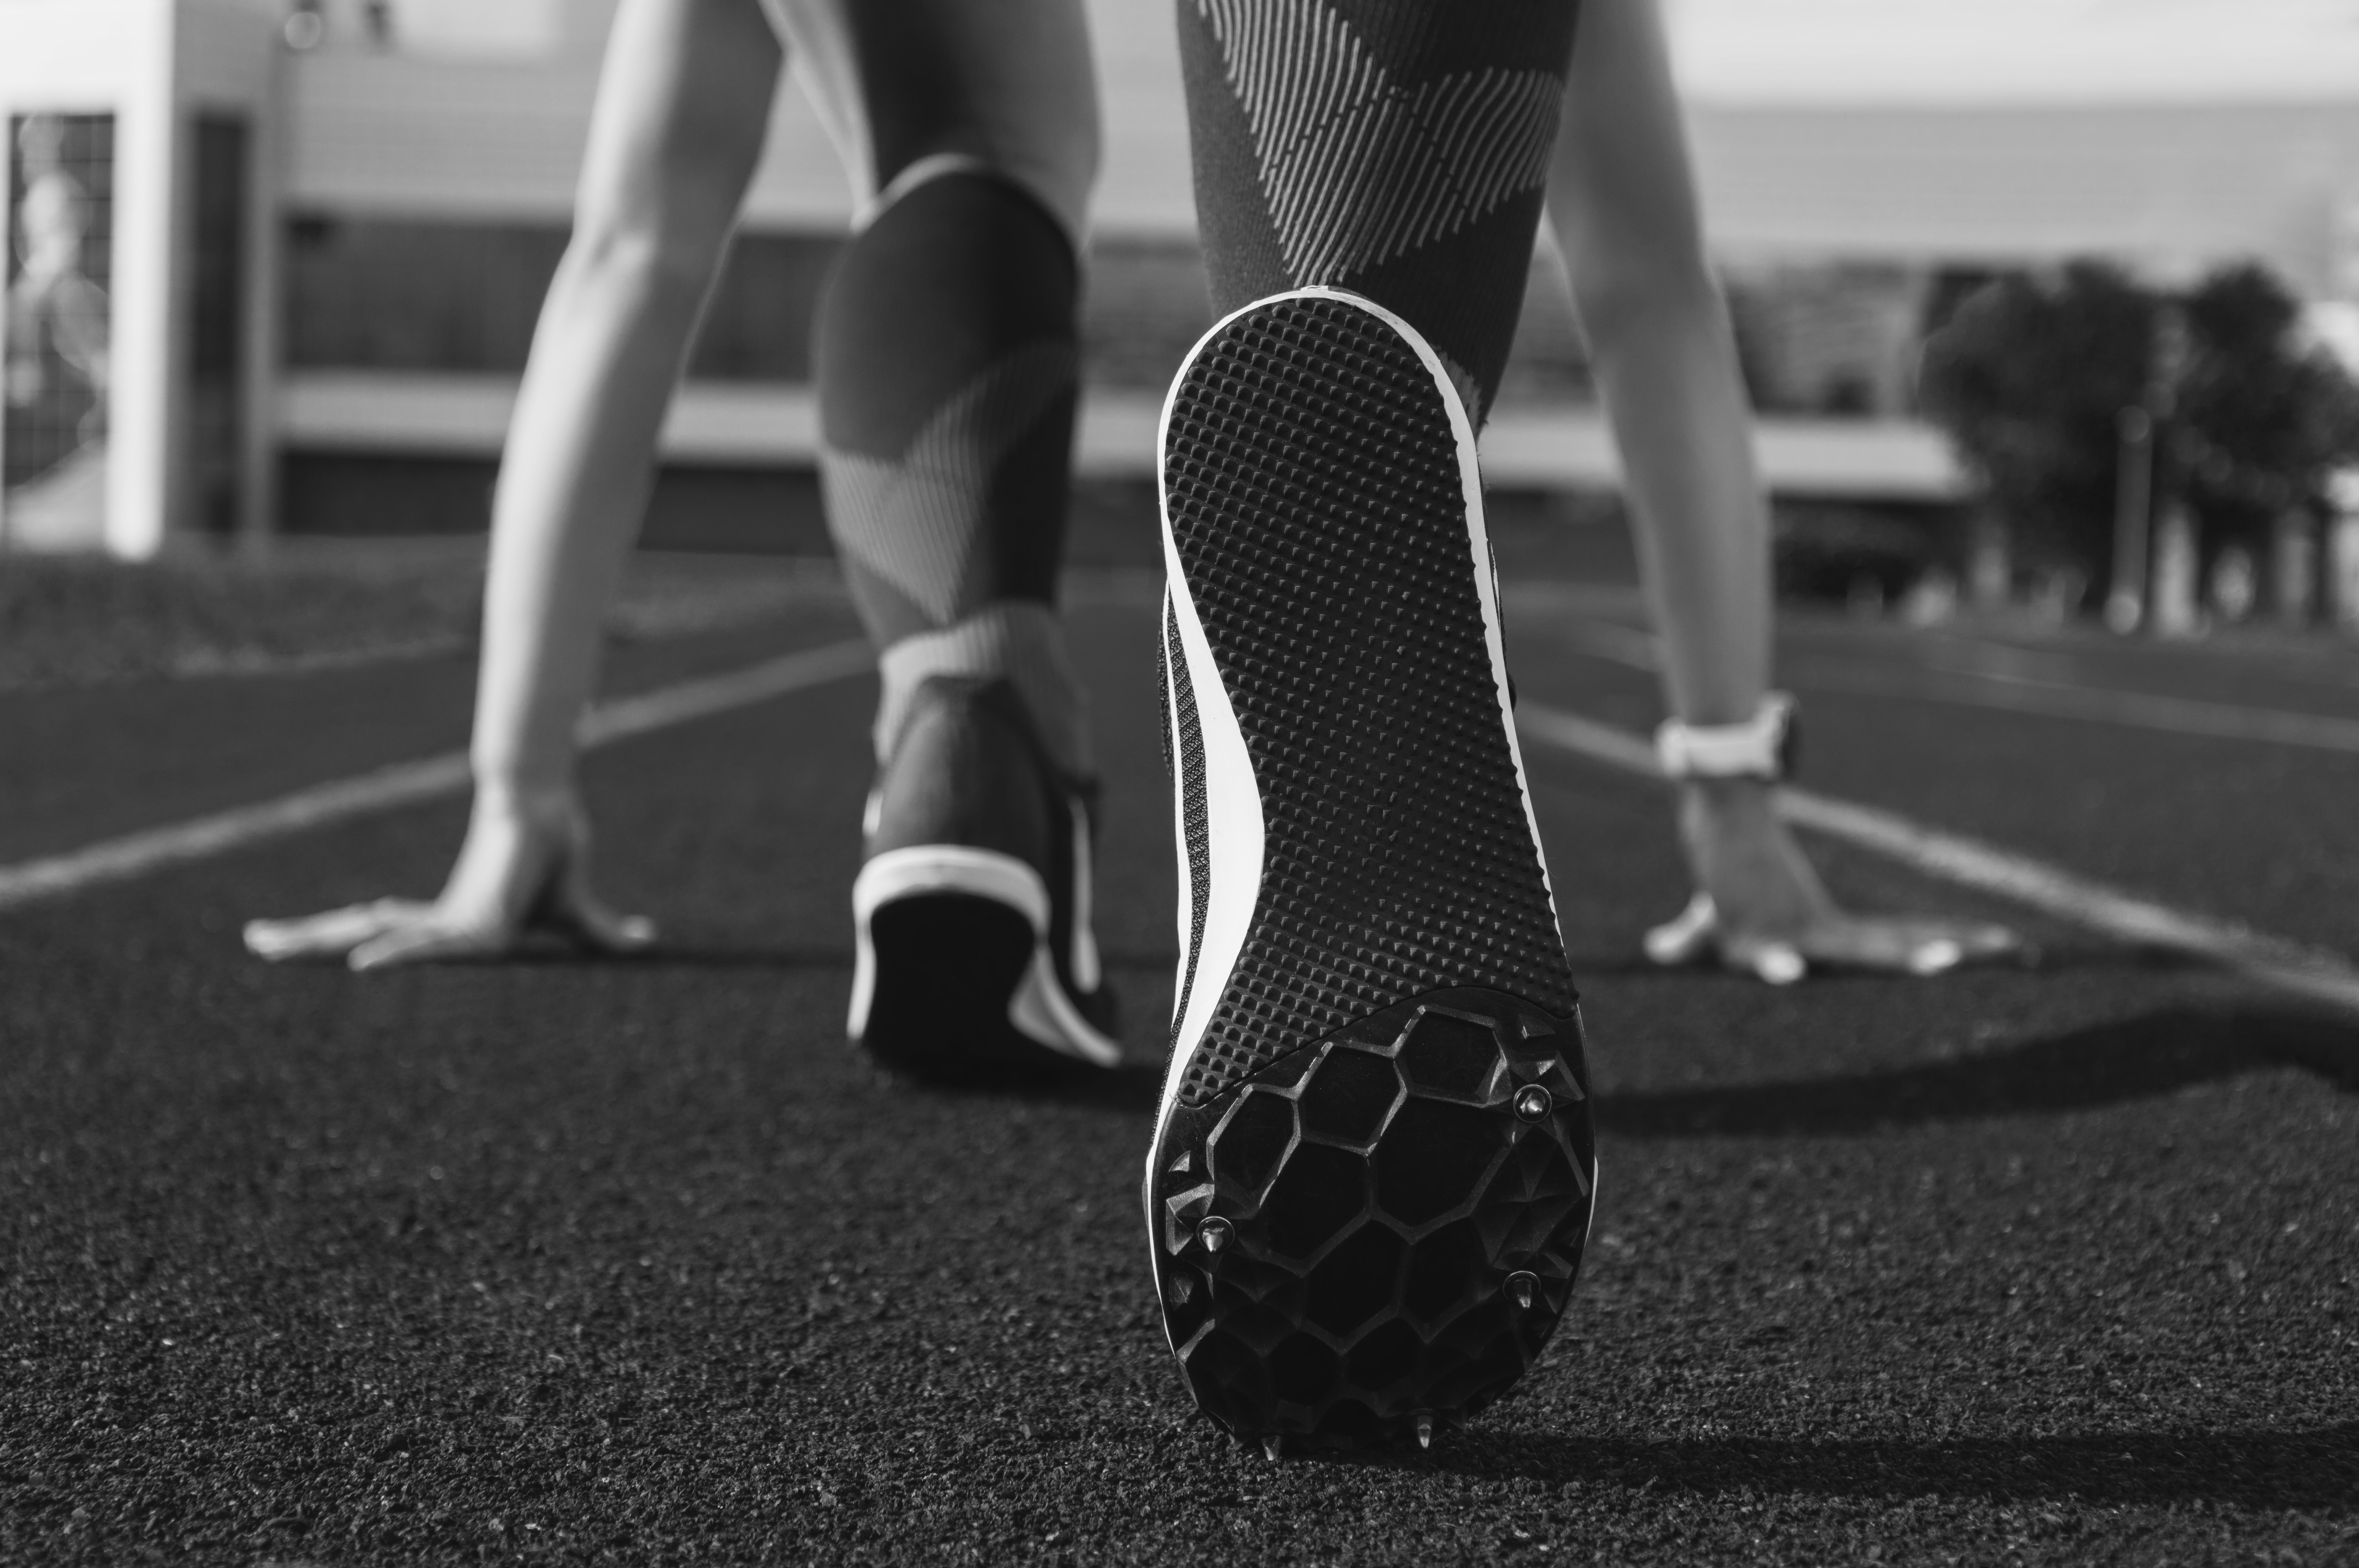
(1969, 862)
(2015, 694)
(407, 783)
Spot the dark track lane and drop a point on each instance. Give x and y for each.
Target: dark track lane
(82, 764)
(565, 1260)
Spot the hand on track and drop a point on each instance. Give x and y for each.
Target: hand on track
(523, 872)
(1763, 912)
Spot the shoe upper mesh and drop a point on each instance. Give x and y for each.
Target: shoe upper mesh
(1312, 484)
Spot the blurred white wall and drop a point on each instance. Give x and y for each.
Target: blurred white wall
(459, 122)
(1987, 53)
(2171, 133)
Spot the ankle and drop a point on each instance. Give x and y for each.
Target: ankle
(1020, 641)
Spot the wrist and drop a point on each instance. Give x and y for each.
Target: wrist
(1762, 748)
(1729, 801)
(508, 797)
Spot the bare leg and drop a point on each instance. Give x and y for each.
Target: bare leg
(682, 108)
(1623, 198)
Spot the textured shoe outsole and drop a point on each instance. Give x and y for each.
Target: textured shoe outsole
(1374, 1167)
(949, 967)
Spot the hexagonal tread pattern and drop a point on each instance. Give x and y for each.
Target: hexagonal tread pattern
(1380, 1191)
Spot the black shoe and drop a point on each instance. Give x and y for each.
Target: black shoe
(1373, 1169)
(976, 962)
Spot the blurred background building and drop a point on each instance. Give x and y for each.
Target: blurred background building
(274, 263)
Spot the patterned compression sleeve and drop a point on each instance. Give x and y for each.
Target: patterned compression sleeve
(1396, 148)
(947, 365)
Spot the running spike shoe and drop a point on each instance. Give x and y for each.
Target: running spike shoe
(1373, 1169)
(975, 961)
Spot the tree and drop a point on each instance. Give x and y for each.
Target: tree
(2028, 378)
(2263, 418)
(2032, 372)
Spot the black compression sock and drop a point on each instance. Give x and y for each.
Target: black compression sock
(1396, 148)
(948, 365)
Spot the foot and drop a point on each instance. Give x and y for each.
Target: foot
(1762, 910)
(1372, 1166)
(976, 962)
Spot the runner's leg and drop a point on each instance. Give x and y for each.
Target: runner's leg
(948, 360)
(1396, 148)
(1373, 1165)
(947, 346)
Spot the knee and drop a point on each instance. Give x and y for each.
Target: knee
(1053, 159)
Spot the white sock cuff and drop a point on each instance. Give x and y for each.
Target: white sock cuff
(1020, 640)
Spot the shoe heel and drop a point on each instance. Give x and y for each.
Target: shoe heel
(945, 966)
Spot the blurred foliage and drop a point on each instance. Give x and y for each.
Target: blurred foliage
(1828, 551)
(2030, 375)
(2264, 419)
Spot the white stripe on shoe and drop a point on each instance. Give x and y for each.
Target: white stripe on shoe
(1233, 826)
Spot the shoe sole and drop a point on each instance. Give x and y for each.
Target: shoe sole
(952, 979)
(1374, 1170)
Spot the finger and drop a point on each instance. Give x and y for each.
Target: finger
(1923, 947)
(1774, 963)
(336, 932)
(426, 943)
(580, 915)
(1686, 937)
(1963, 944)
(600, 927)
(1929, 958)
(1770, 959)
(1989, 941)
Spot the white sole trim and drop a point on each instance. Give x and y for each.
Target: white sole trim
(1234, 828)
(1039, 1007)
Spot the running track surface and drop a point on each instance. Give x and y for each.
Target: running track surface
(636, 1261)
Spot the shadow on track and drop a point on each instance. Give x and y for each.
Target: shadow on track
(1132, 1088)
(698, 952)
(2045, 958)
(2314, 1470)
(2109, 1063)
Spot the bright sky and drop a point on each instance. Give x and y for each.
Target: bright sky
(2017, 50)
(480, 28)
(1814, 50)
